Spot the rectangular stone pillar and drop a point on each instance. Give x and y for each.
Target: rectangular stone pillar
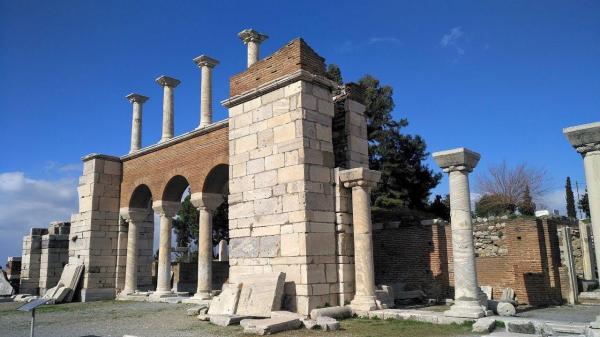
(55, 255)
(95, 229)
(31, 260)
(587, 254)
(566, 254)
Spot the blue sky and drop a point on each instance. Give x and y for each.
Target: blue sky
(500, 77)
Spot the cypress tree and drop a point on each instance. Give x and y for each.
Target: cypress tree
(571, 212)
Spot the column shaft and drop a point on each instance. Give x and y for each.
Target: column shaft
(168, 112)
(206, 97)
(205, 254)
(591, 162)
(132, 258)
(136, 127)
(586, 252)
(163, 282)
(252, 52)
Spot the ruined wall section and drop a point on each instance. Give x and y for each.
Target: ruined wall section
(31, 260)
(55, 254)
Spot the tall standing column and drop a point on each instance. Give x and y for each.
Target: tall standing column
(589, 266)
(136, 122)
(206, 65)
(458, 163)
(169, 84)
(206, 203)
(134, 217)
(361, 180)
(252, 39)
(586, 140)
(166, 210)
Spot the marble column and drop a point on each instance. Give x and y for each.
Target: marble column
(206, 203)
(166, 211)
(458, 163)
(169, 84)
(206, 65)
(589, 265)
(134, 218)
(252, 39)
(361, 180)
(586, 140)
(136, 123)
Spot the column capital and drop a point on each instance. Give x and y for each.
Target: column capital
(359, 176)
(251, 35)
(133, 214)
(166, 81)
(166, 208)
(205, 61)
(460, 159)
(207, 201)
(584, 138)
(136, 98)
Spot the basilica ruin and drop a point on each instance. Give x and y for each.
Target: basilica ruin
(291, 162)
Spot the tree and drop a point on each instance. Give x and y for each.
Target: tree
(584, 204)
(441, 207)
(186, 224)
(571, 212)
(526, 206)
(508, 185)
(405, 180)
(493, 205)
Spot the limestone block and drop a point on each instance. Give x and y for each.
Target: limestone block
(283, 133)
(246, 143)
(270, 325)
(5, 288)
(520, 327)
(484, 325)
(339, 312)
(243, 247)
(265, 179)
(227, 320)
(506, 309)
(226, 303)
(261, 294)
(290, 173)
(328, 323)
(269, 245)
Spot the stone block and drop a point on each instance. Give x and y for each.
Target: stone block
(520, 327)
(270, 325)
(227, 320)
(484, 325)
(340, 312)
(226, 303)
(5, 288)
(261, 294)
(328, 323)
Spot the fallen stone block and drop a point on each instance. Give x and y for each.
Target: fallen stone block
(227, 320)
(6, 288)
(269, 326)
(227, 301)
(287, 314)
(261, 294)
(334, 312)
(203, 317)
(195, 311)
(328, 323)
(506, 309)
(484, 325)
(309, 324)
(520, 327)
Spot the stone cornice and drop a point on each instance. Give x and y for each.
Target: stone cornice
(359, 177)
(459, 159)
(166, 81)
(175, 140)
(136, 98)
(100, 156)
(205, 61)
(251, 35)
(299, 75)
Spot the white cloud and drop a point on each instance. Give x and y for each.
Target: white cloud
(27, 203)
(454, 39)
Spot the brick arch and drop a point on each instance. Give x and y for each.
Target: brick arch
(217, 180)
(141, 197)
(174, 189)
(192, 156)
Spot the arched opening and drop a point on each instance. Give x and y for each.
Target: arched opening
(141, 199)
(175, 189)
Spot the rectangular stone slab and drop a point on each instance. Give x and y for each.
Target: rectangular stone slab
(261, 294)
(226, 303)
(226, 320)
(270, 325)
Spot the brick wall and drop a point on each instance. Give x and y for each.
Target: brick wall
(421, 257)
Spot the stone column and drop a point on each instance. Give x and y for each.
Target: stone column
(361, 180)
(206, 203)
(252, 39)
(136, 123)
(134, 217)
(586, 252)
(206, 64)
(166, 210)
(169, 84)
(458, 163)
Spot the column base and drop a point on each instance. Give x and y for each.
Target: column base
(363, 303)
(162, 293)
(199, 298)
(465, 309)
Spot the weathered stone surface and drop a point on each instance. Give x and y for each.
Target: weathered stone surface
(505, 309)
(226, 320)
(334, 312)
(203, 317)
(484, 325)
(328, 323)
(488, 291)
(270, 325)
(261, 294)
(508, 295)
(226, 303)
(520, 327)
(5, 288)
(195, 311)
(309, 324)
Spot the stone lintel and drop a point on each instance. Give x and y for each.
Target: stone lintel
(460, 159)
(100, 156)
(251, 35)
(166, 81)
(136, 98)
(359, 176)
(209, 201)
(205, 61)
(132, 213)
(299, 75)
(584, 138)
(167, 208)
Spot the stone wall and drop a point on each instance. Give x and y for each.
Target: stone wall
(185, 275)
(421, 257)
(31, 259)
(55, 255)
(13, 272)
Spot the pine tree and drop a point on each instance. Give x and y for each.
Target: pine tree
(527, 207)
(441, 207)
(584, 205)
(186, 224)
(571, 212)
(406, 181)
